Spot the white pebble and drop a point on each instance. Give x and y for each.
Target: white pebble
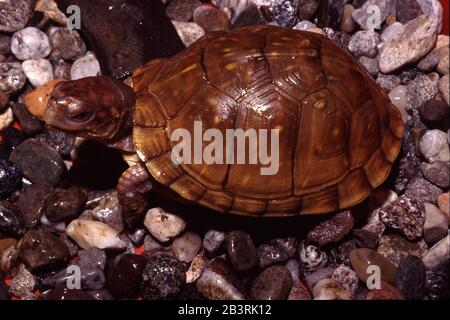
(38, 72)
(87, 66)
(94, 234)
(189, 32)
(186, 246)
(304, 25)
(30, 43)
(438, 253)
(162, 225)
(6, 117)
(398, 99)
(392, 32)
(434, 146)
(330, 289)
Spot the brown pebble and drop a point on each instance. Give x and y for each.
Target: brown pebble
(362, 258)
(386, 292)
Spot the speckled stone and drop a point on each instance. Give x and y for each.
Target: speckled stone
(444, 88)
(30, 43)
(346, 278)
(410, 278)
(274, 283)
(23, 282)
(12, 78)
(364, 43)
(388, 82)
(333, 229)
(437, 282)
(370, 64)
(285, 12)
(14, 14)
(386, 292)
(240, 250)
(394, 247)
(330, 289)
(420, 188)
(422, 89)
(311, 257)
(429, 63)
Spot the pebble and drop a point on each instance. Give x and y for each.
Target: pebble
(294, 268)
(11, 222)
(240, 250)
(109, 211)
(213, 242)
(29, 124)
(364, 43)
(23, 282)
(66, 44)
(437, 173)
(60, 141)
(250, 16)
(312, 278)
(340, 254)
(410, 278)
(12, 78)
(196, 267)
(41, 251)
(347, 24)
(407, 10)
(330, 289)
(186, 247)
(9, 259)
(124, 277)
(14, 14)
(270, 254)
(307, 9)
(363, 15)
(299, 293)
(31, 203)
(61, 69)
(136, 235)
(163, 278)
(438, 253)
(189, 32)
(151, 245)
(86, 66)
(370, 64)
(38, 72)
(66, 204)
(10, 178)
(386, 292)
(311, 257)
(399, 99)
(394, 247)
(428, 63)
(392, 32)
(274, 283)
(444, 88)
(50, 9)
(422, 89)
(443, 201)
(417, 39)
(332, 230)
(162, 225)
(304, 25)
(434, 113)
(437, 282)
(388, 82)
(38, 162)
(347, 278)
(6, 118)
(89, 234)
(362, 258)
(30, 43)
(285, 12)
(420, 188)
(217, 282)
(406, 215)
(182, 10)
(365, 238)
(71, 245)
(434, 146)
(211, 19)
(442, 60)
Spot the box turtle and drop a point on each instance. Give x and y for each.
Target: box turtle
(338, 132)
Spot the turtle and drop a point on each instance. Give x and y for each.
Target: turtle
(339, 134)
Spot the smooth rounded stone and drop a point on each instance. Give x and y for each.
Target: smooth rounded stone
(364, 43)
(14, 14)
(437, 282)
(12, 78)
(5, 243)
(276, 251)
(86, 66)
(434, 112)
(370, 64)
(137, 236)
(151, 245)
(10, 178)
(31, 202)
(63, 293)
(330, 289)
(71, 245)
(196, 267)
(182, 10)
(444, 88)
(89, 234)
(66, 204)
(285, 12)
(392, 32)
(52, 226)
(4, 291)
(420, 188)
(316, 30)
(437, 173)
(416, 40)
(163, 278)
(386, 292)
(422, 89)
(38, 162)
(311, 257)
(41, 251)
(399, 99)
(406, 215)
(429, 63)
(30, 43)
(410, 278)
(240, 250)
(442, 41)
(124, 277)
(11, 222)
(29, 124)
(101, 295)
(388, 82)
(438, 253)
(217, 282)
(109, 211)
(38, 72)
(61, 69)
(299, 293)
(6, 118)
(274, 283)
(60, 141)
(365, 238)
(294, 269)
(346, 23)
(407, 10)
(23, 282)
(362, 258)
(66, 44)
(251, 15)
(312, 278)
(434, 8)
(213, 242)
(186, 247)
(394, 247)
(307, 9)
(443, 202)
(9, 259)
(332, 230)
(363, 15)
(211, 19)
(162, 225)
(347, 278)
(304, 25)
(189, 32)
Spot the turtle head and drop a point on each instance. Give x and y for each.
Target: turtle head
(98, 108)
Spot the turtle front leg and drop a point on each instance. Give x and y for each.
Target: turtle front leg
(131, 189)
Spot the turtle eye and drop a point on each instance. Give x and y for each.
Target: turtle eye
(79, 112)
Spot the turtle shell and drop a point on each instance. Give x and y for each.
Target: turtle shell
(338, 132)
